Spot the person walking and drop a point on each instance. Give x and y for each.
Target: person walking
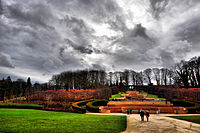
(142, 115)
(127, 111)
(147, 115)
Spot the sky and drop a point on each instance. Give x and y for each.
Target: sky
(39, 38)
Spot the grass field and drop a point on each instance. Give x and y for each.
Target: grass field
(116, 95)
(39, 121)
(20, 104)
(152, 96)
(193, 118)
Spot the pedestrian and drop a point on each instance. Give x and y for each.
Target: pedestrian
(156, 111)
(130, 111)
(147, 115)
(139, 111)
(127, 111)
(142, 115)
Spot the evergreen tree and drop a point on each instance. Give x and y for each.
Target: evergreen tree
(28, 83)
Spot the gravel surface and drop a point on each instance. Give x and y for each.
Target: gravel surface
(160, 124)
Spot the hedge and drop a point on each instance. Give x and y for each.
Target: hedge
(20, 105)
(191, 106)
(93, 105)
(77, 106)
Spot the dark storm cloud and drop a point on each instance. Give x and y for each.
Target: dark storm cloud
(32, 34)
(137, 39)
(134, 46)
(84, 50)
(100, 11)
(50, 36)
(190, 32)
(140, 31)
(37, 14)
(1, 8)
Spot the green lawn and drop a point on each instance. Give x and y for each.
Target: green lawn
(20, 105)
(39, 121)
(116, 95)
(152, 96)
(193, 118)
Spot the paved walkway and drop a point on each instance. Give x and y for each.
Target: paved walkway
(159, 124)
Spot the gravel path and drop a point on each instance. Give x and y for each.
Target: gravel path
(159, 124)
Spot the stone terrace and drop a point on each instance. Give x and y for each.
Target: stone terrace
(152, 106)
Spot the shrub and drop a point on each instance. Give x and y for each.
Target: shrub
(182, 102)
(93, 105)
(191, 106)
(78, 106)
(194, 109)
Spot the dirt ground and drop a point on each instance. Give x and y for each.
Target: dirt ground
(159, 124)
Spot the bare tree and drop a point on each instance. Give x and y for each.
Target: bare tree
(116, 75)
(148, 75)
(164, 74)
(182, 70)
(139, 78)
(171, 75)
(134, 74)
(110, 78)
(156, 72)
(126, 76)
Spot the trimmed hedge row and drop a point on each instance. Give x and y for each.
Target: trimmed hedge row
(192, 106)
(20, 106)
(182, 102)
(77, 106)
(93, 105)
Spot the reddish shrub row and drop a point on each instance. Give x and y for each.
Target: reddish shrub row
(172, 93)
(104, 93)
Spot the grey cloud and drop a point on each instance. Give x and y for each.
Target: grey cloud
(102, 8)
(84, 50)
(137, 40)
(98, 67)
(51, 36)
(34, 14)
(1, 8)
(190, 31)
(34, 40)
(167, 58)
(140, 31)
(102, 11)
(157, 7)
(118, 23)
(5, 60)
(78, 26)
(61, 51)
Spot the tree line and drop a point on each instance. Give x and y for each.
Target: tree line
(185, 73)
(10, 89)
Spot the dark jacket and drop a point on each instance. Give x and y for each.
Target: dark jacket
(147, 114)
(142, 113)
